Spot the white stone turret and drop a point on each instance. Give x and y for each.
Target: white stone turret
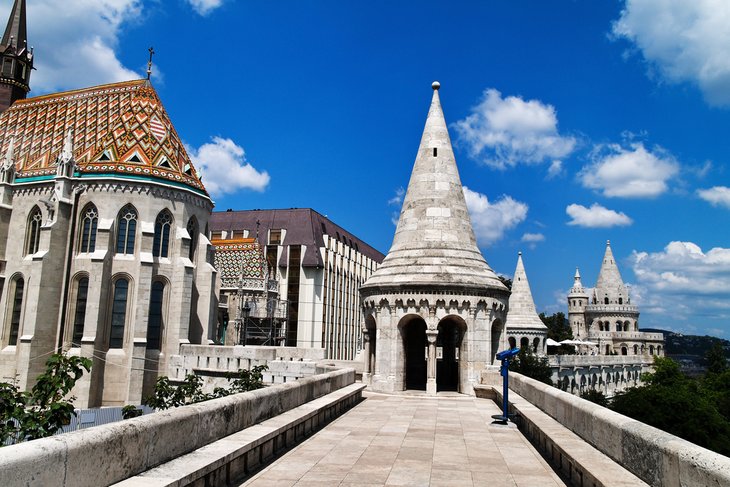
(523, 322)
(610, 288)
(434, 289)
(577, 302)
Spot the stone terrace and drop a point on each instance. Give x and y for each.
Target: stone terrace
(413, 440)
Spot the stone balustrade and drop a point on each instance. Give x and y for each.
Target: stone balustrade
(656, 457)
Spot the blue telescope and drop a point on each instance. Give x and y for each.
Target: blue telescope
(504, 356)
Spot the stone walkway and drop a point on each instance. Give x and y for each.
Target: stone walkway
(413, 440)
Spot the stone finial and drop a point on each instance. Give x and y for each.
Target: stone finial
(7, 169)
(66, 163)
(435, 85)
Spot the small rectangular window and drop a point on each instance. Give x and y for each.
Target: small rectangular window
(275, 237)
(435, 151)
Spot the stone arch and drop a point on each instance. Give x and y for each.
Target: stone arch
(451, 333)
(412, 329)
(512, 341)
(524, 343)
(536, 345)
(636, 350)
(370, 338)
(651, 349)
(624, 349)
(658, 349)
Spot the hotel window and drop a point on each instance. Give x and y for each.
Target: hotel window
(126, 229)
(161, 240)
(82, 293)
(33, 238)
(88, 229)
(19, 287)
(119, 313)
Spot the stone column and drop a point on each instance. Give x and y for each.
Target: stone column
(431, 365)
(368, 362)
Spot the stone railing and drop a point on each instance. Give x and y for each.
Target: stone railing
(213, 362)
(110, 453)
(599, 360)
(612, 308)
(651, 454)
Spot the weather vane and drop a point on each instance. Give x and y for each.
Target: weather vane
(149, 63)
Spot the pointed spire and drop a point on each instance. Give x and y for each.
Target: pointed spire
(434, 241)
(577, 289)
(9, 159)
(68, 147)
(609, 284)
(7, 168)
(15, 32)
(522, 313)
(66, 163)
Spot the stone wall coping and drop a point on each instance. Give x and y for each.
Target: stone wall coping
(655, 456)
(133, 446)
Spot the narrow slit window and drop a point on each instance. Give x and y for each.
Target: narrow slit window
(435, 151)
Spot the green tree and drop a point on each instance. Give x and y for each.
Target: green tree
(716, 359)
(530, 365)
(595, 396)
(42, 411)
(678, 405)
(558, 327)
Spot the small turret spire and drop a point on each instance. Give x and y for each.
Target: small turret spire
(15, 33)
(149, 63)
(7, 168)
(522, 312)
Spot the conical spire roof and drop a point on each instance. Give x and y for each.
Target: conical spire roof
(522, 312)
(16, 27)
(577, 289)
(609, 282)
(434, 242)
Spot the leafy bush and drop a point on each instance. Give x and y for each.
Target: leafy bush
(42, 411)
(530, 365)
(167, 395)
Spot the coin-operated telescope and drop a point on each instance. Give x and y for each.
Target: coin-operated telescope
(505, 356)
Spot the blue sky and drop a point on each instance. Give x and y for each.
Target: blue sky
(573, 122)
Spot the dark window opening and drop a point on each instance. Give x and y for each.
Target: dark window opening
(435, 151)
(17, 308)
(82, 292)
(119, 314)
(275, 237)
(293, 294)
(154, 321)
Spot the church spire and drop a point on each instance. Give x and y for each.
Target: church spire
(16, 59)
(434, 241)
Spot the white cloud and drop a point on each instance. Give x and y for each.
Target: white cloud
(504, 132)
(629, 173)
(204, 7)
(224, 169)
(555, 169)
(716, 196)
(596, 216)
(491, 220)
(75, 42)
(684, 284)
(533, 237)
(683, 41)
(397, 200)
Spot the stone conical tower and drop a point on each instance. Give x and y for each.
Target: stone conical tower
(523, 323)
(610, 288)
(434, 309)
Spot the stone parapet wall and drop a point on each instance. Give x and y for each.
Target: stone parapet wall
(213, 362)
(599, 360)
(110, 453)
(653, 455)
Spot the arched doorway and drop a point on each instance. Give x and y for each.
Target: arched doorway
(496, 338)
(448, 344)
(414, 347)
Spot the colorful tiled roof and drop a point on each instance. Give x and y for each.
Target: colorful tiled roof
(119, 128)
(237, 258)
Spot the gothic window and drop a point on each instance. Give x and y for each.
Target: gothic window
(620, 300)
(19, 287)
(89, 223)
(119, 313)
(192, 229)
(82, 293)
(161, 241)
(33, 238)
(126, 229)
(154, 320)
(605, 300)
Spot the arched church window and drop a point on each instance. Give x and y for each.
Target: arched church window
(605, 300)
(620, 300)
(161, 241)
(33, 237)
(82, 293)
(89, 223)
(192, 229)
(154, 321)
(18, 288)
(126, 230)
(119, 313)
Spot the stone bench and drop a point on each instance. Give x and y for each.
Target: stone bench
(239, 455)
(576, 460)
